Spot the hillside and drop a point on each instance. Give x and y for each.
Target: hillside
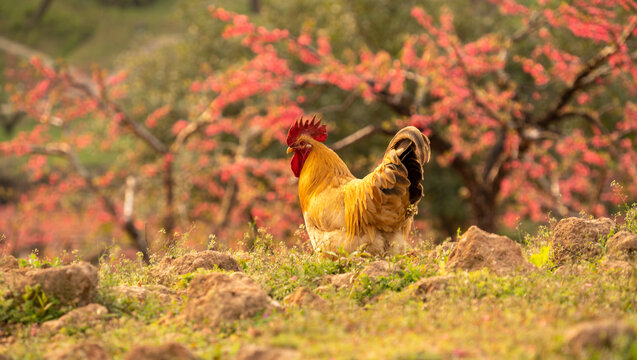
(481, 297)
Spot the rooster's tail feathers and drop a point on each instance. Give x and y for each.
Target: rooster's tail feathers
(414, 150)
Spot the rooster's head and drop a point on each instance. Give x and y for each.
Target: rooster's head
(300, 138)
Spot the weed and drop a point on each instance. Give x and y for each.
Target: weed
(34, 306)
(35, 262)
(542, 259)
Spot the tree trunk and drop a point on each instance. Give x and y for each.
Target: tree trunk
(169, 187)
(255, 6)
(483, 209)
(39, 14)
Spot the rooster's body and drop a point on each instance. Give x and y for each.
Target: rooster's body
(341, 212)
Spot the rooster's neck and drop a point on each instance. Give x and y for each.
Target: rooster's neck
(323, 168)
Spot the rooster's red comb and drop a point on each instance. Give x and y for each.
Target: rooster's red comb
(311, 127)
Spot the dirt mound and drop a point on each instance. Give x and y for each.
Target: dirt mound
(304, 297)
(570, 270)
(255, 352)
(87, 350)
(84, 316)
(622, 246)
(379, 268)
(619, 267)
(8, 262)
(73, 285)
(423, 288)
(207, 260)
(478, 249)
(216, 298)
(375, 269)
(597, 335)
(338, 281)
(575, 239)
(170, 351)
(141, 293)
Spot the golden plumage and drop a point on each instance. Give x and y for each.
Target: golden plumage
(373, 214)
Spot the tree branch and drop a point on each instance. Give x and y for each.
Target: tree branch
(354, 137)
(586, 116)
(581, 80)
(337, 107)
(65, 150)
(191, 129)
(138, 129)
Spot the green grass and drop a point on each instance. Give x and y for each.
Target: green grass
(84, 31)
(479, 315)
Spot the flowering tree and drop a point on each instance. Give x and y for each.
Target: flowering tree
(528, 124)
(522, 146)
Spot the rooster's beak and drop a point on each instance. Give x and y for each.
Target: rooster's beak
(289, 150)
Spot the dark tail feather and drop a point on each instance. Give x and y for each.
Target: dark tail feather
(414, 150)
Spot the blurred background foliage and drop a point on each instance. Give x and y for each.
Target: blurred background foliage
(165, 45)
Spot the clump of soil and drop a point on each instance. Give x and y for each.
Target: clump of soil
(570, 270)
(619, 267)
(84, 316)
(304, 297)
(337, 281)
(218, 298)
(622, 246)
(577, 239)
(8, 262)
(375, 269)
(73, 285)
(255, 352)
(597, 335)
(478, 249)
(169, 351)
(207, 260)
(423, 288)
(141, 293)
(82, 351)
(379, 268)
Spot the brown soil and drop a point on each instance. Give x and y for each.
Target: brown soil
(170, 351)
(577, 239)
(164, 294)
(619, 267)
(83, 351)
(478, 249)
(597, 334)
(73, 285)
(337, 281)
(8, 262)
(303, 297)
(254, 352)
(379, 268)
(622, 246)
(427, 286)
(207, 260)
(84, 316)
(217, 298)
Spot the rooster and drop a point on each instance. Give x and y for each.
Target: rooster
(343, 213)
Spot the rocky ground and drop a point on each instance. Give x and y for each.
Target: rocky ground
(569, 292)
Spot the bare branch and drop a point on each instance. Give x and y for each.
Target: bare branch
(22, 51)
(191, 129)
(337, 107)
(65, 150)
(473, 91)
(586, 116)
(583, 78)
(354, 137)
(232, 186)
(138, 129)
